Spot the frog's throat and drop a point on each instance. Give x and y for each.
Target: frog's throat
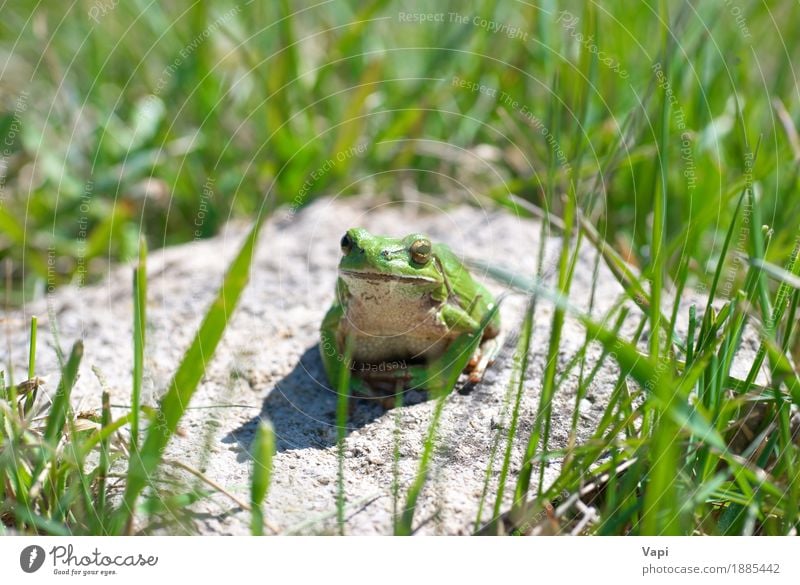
(380, 276)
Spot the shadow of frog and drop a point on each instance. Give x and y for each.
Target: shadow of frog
(302, 409)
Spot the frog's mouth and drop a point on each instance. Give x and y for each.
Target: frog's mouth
(382, 277)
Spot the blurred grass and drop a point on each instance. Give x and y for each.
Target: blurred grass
(167, 119)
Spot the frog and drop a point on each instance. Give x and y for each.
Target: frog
(400, 303)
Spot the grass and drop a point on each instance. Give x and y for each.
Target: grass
(263, 449)
(446, 372)
(51, 483)
(152, 125)
(342, 406)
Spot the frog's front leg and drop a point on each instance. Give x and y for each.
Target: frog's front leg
(484, 355)
(457, 319)
(329, 346)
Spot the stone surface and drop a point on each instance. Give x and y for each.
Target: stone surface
(268, 366)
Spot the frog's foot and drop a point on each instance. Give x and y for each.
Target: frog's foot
(386, 385)
(383, 392)
(483, 357)
(360, 388)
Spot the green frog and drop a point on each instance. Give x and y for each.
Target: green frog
(402, 302)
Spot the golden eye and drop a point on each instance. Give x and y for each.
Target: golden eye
(346, 244)
(421, 251)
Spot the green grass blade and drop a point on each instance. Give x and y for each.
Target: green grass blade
(31, 398)
(548, 387)
(660, 190)
(518, 377)
(105, 462)
(263, 451)
(446, 372)
(342, 406)
(186, 378)
(58, 411)
(139, 325)
(779, 274)
(32, 350)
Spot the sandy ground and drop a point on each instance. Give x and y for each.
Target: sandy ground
(268, 366)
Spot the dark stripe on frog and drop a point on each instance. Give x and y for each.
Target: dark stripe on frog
(381, 276)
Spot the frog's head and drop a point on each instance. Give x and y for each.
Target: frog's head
(408, 260)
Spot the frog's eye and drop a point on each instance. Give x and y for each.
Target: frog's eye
(346, 244)
(421, 251)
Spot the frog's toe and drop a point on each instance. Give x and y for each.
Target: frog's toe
(389, 402)
(482, 358)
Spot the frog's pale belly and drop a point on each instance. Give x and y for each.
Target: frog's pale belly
(392, 320)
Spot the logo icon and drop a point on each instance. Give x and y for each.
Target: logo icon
(31, 558)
